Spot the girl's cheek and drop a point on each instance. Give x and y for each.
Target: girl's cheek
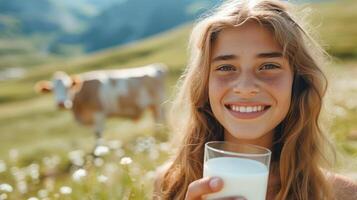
(224, 80)
(279, 82)
(271, 80)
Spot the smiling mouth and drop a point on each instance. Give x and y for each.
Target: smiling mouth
(247, 109)
(247, 112)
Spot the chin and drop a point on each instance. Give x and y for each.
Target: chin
(246, 134)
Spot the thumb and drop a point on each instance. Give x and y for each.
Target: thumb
(203, 186)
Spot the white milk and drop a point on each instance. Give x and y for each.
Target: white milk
(241, 177)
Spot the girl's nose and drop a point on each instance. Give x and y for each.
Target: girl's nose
(246, 86)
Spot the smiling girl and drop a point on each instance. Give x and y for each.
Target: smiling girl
(254, 77)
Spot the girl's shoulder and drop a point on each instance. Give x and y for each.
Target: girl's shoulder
(344, 187)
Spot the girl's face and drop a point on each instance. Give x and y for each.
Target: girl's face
(250, 83)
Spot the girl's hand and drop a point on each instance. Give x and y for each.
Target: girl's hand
(197, 189)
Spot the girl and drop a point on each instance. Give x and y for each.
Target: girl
(254, 77)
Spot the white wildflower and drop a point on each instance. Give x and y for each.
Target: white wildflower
(102, 178)
(19, 174)
(65, 190)
(79, 174)
(143, 144)
(76, 157)
(42, 193)
(2, 166)
(32, 198)
(101, 150)
(126, 161)
(51, 162)
(22, 186)
(34, 171)
(4, 187)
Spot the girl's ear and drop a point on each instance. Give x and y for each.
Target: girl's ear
(76, 81)
(43, 87)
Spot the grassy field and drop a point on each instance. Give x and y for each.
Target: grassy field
(44, 153)
(34, 133)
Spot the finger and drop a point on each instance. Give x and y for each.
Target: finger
(203, 186)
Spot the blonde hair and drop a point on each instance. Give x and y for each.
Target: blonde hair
(298, 140)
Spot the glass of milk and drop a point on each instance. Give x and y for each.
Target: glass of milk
(244, 169)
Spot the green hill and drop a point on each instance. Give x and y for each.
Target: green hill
(34, 132)
(168, 48)
(330, 19)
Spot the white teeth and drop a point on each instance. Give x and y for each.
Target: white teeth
(242, 109)
(235, 108)
(246, 109)
(249, 109)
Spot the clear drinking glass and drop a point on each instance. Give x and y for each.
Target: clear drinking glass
(244, 169)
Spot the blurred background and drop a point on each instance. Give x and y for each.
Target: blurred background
(45, 153)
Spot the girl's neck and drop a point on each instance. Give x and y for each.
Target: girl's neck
(265, 141)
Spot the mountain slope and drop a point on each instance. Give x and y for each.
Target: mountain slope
(168, 48)
(132, 20)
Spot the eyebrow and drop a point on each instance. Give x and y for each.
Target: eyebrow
(260, 55)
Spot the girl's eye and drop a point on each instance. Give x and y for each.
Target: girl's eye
(269, 66)
(226, 68)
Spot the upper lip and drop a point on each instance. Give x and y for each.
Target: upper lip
(247, 103)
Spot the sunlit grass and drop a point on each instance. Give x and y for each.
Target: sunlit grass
(123, 171)
(337, 27)
(42, 148)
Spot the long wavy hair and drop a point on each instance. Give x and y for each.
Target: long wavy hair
(298, 145)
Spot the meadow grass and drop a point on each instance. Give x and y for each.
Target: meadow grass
(337, 26)
(44, 153)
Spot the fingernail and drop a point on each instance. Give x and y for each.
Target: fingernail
(214, 183)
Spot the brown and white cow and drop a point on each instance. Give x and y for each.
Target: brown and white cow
(96, 95)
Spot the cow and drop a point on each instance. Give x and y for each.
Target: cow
(94, 96)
